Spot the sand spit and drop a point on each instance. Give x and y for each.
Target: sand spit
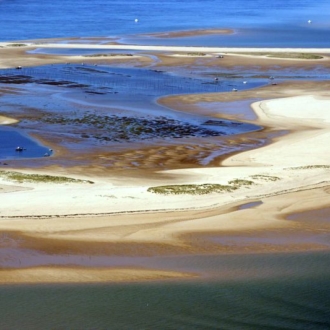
(83, 275)
(7, 121)
(12, 57)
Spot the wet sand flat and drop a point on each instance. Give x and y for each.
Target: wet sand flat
(112, 212)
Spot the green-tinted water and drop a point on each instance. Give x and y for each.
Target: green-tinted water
(293, 294)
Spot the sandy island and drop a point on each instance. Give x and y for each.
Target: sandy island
(118, 216)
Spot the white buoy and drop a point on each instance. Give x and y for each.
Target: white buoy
(244, 82)
(136, 20)
(309, 21)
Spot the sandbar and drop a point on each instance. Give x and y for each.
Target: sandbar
(190, 33)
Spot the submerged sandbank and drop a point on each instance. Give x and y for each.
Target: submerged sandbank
(190, 33)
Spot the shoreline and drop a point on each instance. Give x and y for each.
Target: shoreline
(283, 175)
(175, 48)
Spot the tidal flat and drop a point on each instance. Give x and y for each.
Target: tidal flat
(242, 257)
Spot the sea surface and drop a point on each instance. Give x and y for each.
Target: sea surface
(280, 291)
(262, 291)
(259, 22)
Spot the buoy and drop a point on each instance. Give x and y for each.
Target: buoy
(136, 20)
(244, 82)
(309, 21)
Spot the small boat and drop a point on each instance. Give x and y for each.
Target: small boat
(19, 149)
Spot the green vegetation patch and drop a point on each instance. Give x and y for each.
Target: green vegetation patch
(309, 167)
(192, 189)
(265, 177)
(22, 177)
(196, 54)
(302, 56)
(200, 189)
(239, 182)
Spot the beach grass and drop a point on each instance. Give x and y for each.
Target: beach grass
(192, 189)
(240, 182)
(38, 178)
(196, 54)
(265, 177)
(309, 167)
(303, 56)
(200, 189)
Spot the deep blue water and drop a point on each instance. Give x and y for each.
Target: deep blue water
(282, 21)
(10, 139)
